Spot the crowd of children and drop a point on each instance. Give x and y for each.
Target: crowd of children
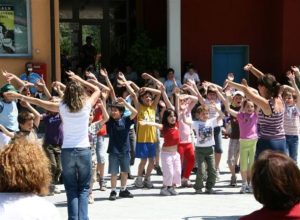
(133, 117)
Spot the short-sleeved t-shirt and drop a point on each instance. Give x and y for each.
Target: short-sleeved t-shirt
(118, 132)
(169, 85)
(194, 77)
(204, 132)
(9, 115)
(53, 129)
(248, 125)
(98, 116)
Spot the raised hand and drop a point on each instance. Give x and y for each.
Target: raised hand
(291, 76)
(72, 75)
(146, 76)
(103, 72)
(40, 82)
(90, 75)
(8, 76)
(248, 66)
(244, 82)
(295, 69)
(121, 76)
(121, 101)
(230, 76)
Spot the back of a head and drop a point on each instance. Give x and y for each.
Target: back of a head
(24, 167)
(269, 81)
(74, 96)
(276, 181)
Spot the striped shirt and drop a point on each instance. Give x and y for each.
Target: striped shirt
(291, 120)
(271, 126)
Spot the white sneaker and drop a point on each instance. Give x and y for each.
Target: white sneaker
(147, 183)
(172, 191)
(91, 199)
(139, 182)
(165, 192)
(244, 188)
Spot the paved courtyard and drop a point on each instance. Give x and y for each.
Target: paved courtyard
(227, 204)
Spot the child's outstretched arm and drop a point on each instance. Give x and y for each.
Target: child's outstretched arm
(165, 97)
(230, 110)
(294, 84)
(104, 73)
(42, 83)
(148, 123)
(148, 76)
(37, 116)
(6, 132)
(192, 87)
(260, 101)
(133, 111)
(105, 113)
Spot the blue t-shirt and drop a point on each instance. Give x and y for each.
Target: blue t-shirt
(118, 132)
(169, 84)
(33, 78)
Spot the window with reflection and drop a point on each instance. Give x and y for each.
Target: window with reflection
(15, 28)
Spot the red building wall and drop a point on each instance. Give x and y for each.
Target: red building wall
(291, 33)
(233, 22)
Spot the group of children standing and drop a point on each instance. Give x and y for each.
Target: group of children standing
(189, 140)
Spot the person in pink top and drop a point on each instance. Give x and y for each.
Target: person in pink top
(247, 120)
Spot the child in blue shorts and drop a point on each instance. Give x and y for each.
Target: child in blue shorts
(118, 127)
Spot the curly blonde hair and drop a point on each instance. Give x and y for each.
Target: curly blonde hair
(24, 167)
(74, 96)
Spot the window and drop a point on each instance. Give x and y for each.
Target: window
(15, 28)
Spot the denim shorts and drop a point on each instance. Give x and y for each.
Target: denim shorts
(145, 150)
(117, 161)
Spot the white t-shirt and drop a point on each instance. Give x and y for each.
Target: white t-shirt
(194, 77)
(75, 126)
(26, 206)
(204, 132)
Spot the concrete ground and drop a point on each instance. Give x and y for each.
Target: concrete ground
(227, 204)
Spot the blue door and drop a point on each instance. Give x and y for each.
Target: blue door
(229, 59)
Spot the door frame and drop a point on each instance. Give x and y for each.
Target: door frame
(229, 45)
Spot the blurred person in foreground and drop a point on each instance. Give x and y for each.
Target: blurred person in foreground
(24, 176)
(276, 181)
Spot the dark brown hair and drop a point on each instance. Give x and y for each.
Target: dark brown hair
(269, 81)
(25, 116)
(276, 180)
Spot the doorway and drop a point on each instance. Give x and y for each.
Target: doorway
(229, 59)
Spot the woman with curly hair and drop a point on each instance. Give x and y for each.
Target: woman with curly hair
(25, 174)
(74, 110)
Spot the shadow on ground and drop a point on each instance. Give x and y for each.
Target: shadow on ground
(211, 217)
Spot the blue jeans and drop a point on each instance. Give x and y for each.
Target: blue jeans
(270, 144)
(77, 171)
(292, 142)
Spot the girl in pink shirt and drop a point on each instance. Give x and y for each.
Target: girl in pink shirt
(247, 120)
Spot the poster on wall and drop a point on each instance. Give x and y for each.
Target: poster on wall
(7, 27)
(15, 28)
